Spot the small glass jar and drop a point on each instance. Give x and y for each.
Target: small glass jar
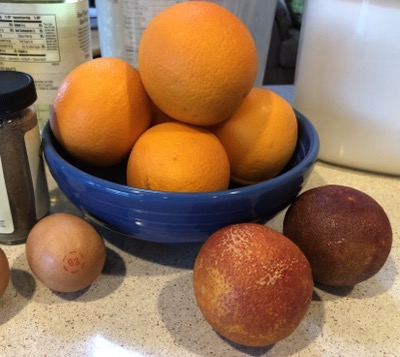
(24, 195)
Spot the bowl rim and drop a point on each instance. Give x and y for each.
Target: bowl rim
(303, 165)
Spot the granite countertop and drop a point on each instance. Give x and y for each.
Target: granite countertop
(143, 302)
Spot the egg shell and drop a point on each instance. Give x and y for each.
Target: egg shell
(65, 252)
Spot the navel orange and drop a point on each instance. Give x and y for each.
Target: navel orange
(178, 157)
(100, 109)
(197, 61)
(260, 137)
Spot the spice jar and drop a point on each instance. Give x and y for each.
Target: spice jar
(24, 196)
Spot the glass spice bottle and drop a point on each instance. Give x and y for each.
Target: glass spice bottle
(24, 195)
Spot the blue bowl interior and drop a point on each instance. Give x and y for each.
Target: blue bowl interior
(102, 195)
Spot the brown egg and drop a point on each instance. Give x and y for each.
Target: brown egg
(4, 272)
(65, 252)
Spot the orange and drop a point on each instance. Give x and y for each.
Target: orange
(178, 157)
(260, 137)
(252, 284)
(159, 116)
(100, 109)
(197, 61)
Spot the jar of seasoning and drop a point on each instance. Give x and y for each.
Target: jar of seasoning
(24, 195)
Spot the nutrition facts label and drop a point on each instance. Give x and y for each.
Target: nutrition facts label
(31, 38)
(137, 15)
(121, 25)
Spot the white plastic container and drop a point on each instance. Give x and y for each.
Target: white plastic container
(122, 22)
(347, 81)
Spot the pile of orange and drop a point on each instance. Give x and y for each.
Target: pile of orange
(196, 72)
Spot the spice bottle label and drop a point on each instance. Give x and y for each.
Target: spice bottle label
(45, 40)
(37, 170)
(35, 178)
(6, 220)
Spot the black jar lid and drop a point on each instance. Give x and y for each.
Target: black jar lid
(17, 91)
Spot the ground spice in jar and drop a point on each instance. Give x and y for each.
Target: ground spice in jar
(24, 196)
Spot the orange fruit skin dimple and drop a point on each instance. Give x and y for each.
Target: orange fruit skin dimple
(100, 109)
(197, 61)
(260, 137)
(178, 157)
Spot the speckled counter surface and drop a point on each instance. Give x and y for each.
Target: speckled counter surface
(143, 303)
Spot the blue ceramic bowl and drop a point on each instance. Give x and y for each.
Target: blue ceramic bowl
(170, 217)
